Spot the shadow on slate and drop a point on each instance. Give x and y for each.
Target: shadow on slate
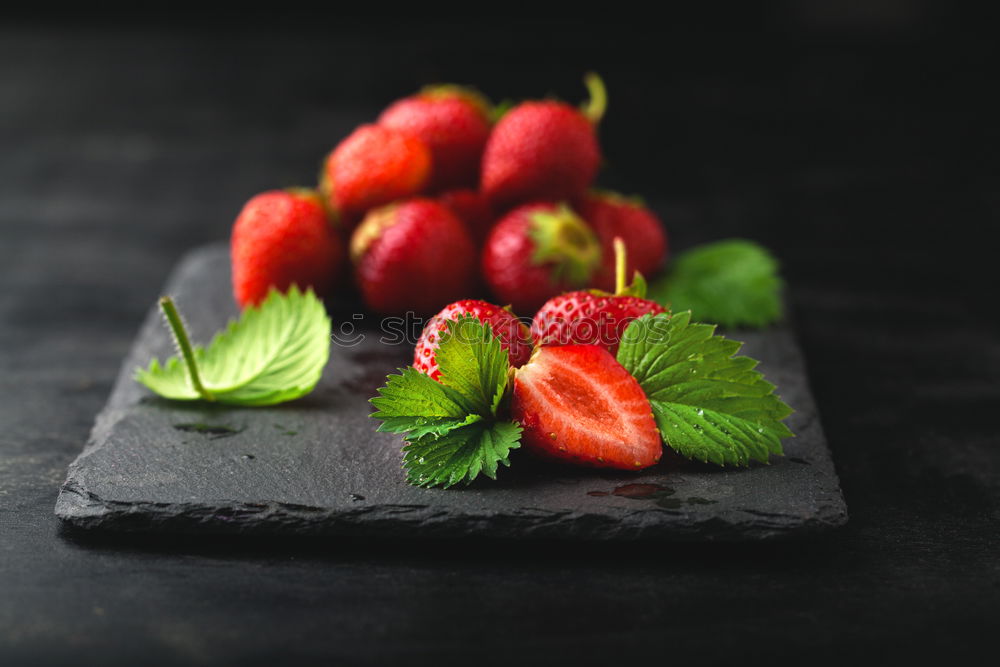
(316, 466)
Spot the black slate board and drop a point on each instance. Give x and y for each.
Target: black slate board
(316, 466)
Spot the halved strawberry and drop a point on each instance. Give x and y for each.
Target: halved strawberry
(513, 335)
(593, 317)
(577, 404)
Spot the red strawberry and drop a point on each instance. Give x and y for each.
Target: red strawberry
(412, 255)
(593, 317)
(473, 209)
(280, 238)
(513, 335)
(373, 166)
(577, 404)
(453, 122)
(611, 215)
(537, 251)
(543, 150)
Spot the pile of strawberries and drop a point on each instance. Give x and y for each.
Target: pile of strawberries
(434, 198)
(435, 201)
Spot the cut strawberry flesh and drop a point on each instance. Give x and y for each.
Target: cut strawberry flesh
(577, 404)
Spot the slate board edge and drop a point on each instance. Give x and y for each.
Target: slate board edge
(80, 508)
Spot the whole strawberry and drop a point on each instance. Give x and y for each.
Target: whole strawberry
(412, 255)
(280, 238)
(506, 326)
(543, 150)
(536, 251)
(472, 208)
(593, 317)
(611, 215)
(577, 404)
(454, 122)
(373, 166)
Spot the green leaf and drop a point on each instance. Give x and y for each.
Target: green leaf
(460, 454)
(274, 353)
(733, 283)
(708, 404)
(413, 403)
(451, 426)
(474, 364)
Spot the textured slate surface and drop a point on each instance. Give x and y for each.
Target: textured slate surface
(317, 466)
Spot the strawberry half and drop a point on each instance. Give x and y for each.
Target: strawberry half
(593, 317)
(506, 326)
(577, 404)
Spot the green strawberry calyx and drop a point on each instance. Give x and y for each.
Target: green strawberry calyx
(471, 96)
(597, 105)
(305, 194)
(563, 240)
(617, 198)
(325, 191)
(371, 230)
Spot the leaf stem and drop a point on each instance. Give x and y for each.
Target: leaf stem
(184, 344)
(619, 265)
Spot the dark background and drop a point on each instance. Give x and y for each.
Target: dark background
(858, 141)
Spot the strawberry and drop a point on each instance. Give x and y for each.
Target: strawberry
(471, 208)
(543, 150)
(373, 166)
(412, 255)
(611, 215)
(280, 238)
(454, 122)
(513, 335)
(537, 251)
(577, 404)
(593, 317)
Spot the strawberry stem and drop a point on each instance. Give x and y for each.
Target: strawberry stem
(594, 109)
(184, 345)
(619, 265)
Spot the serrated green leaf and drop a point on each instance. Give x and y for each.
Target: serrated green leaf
(733, 283)
(413, 403)
(473, 363)
(450, 425)
(274, 353)
(708, 404)
(459, 455)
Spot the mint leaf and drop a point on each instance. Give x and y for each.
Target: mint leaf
(708, 404)
(460, 454)
(733, 283)
(274, 353)
(451, 426)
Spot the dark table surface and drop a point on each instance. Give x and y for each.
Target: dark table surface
(860, 147)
